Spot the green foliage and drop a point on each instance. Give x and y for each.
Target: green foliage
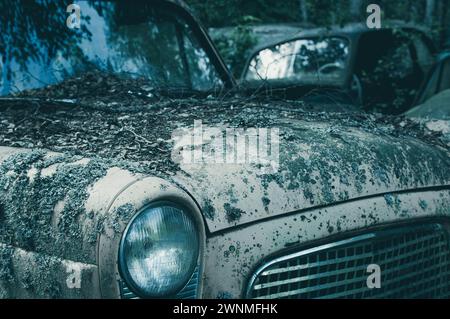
(220, 13)
(236, 47)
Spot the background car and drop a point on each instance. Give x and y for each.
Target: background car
(379, 69)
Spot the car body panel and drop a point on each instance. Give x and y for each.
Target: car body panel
(235, 251)
(88, 241)
(62, 215)
(33, 275)
(238, 253)
(321, 164)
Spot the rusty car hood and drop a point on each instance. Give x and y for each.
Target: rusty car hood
(328, 152)
(326, 155)
(322, 162)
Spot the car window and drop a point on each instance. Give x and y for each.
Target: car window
(144, 41)
(399, 56)
(389, 76)
(385, 55)
(316, 60)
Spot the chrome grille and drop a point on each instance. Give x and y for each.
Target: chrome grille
(414, 263)
(188, 292)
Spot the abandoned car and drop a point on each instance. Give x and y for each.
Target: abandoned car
(380, 69)
(127, 172)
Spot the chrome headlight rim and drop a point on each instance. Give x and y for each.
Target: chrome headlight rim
(122, 267)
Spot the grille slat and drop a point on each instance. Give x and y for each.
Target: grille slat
(306, 266)
(304, 278)
(414, 262)
(289, 293)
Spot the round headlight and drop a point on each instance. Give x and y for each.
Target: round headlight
(159, 250)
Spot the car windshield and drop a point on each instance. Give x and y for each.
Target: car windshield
(44, 43)
(308, 61)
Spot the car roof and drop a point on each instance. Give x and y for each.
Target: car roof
(358, 28)
(349, 30)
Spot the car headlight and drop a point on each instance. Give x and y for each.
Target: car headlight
(159, 250)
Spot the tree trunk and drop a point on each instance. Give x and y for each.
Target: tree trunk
(355, 9)
(444, 23)
(429, 12)
(303, 11)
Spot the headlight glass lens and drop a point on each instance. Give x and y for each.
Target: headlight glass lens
(159, 251)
